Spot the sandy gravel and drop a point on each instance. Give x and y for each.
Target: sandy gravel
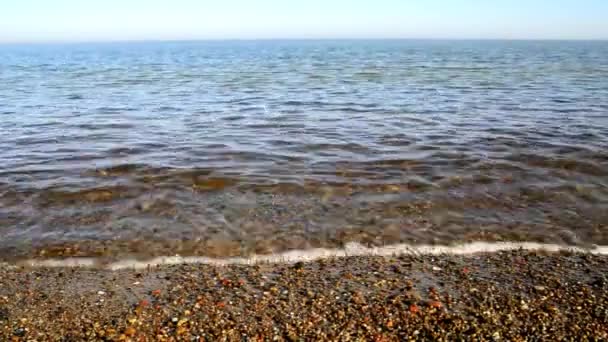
(510, 296)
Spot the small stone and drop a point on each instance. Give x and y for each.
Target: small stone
(101, 293)
(435, 304)
(181, 330)
(19, 332)
(130, 331)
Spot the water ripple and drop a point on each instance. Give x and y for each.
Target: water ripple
(268, 146)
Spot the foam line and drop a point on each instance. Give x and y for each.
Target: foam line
(351, 249)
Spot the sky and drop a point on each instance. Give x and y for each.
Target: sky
(115, 20)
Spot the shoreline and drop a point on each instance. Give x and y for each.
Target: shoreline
(350, 249)
(500, 295)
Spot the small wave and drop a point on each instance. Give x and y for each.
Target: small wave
(560, 163)
(104, 126)
(75, 97)
(350, 250)
(53, 197)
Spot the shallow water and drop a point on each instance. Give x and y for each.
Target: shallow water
(234, 148)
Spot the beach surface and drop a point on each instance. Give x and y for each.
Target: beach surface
(506, 295)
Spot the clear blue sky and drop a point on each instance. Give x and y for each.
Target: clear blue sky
(93, 20)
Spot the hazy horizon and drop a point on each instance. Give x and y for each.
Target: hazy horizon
(65, 21)
(252, 40)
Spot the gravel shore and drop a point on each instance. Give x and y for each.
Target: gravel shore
(511, 296)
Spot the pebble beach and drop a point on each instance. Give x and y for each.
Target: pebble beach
(504, 296)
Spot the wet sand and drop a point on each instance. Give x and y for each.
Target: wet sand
(509, 295)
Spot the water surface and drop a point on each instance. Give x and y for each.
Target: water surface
(234, 148)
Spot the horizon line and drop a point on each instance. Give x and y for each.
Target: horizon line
(184, 40)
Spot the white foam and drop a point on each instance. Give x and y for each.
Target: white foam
(351, 249)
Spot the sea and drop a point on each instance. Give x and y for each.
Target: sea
(239, 148)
